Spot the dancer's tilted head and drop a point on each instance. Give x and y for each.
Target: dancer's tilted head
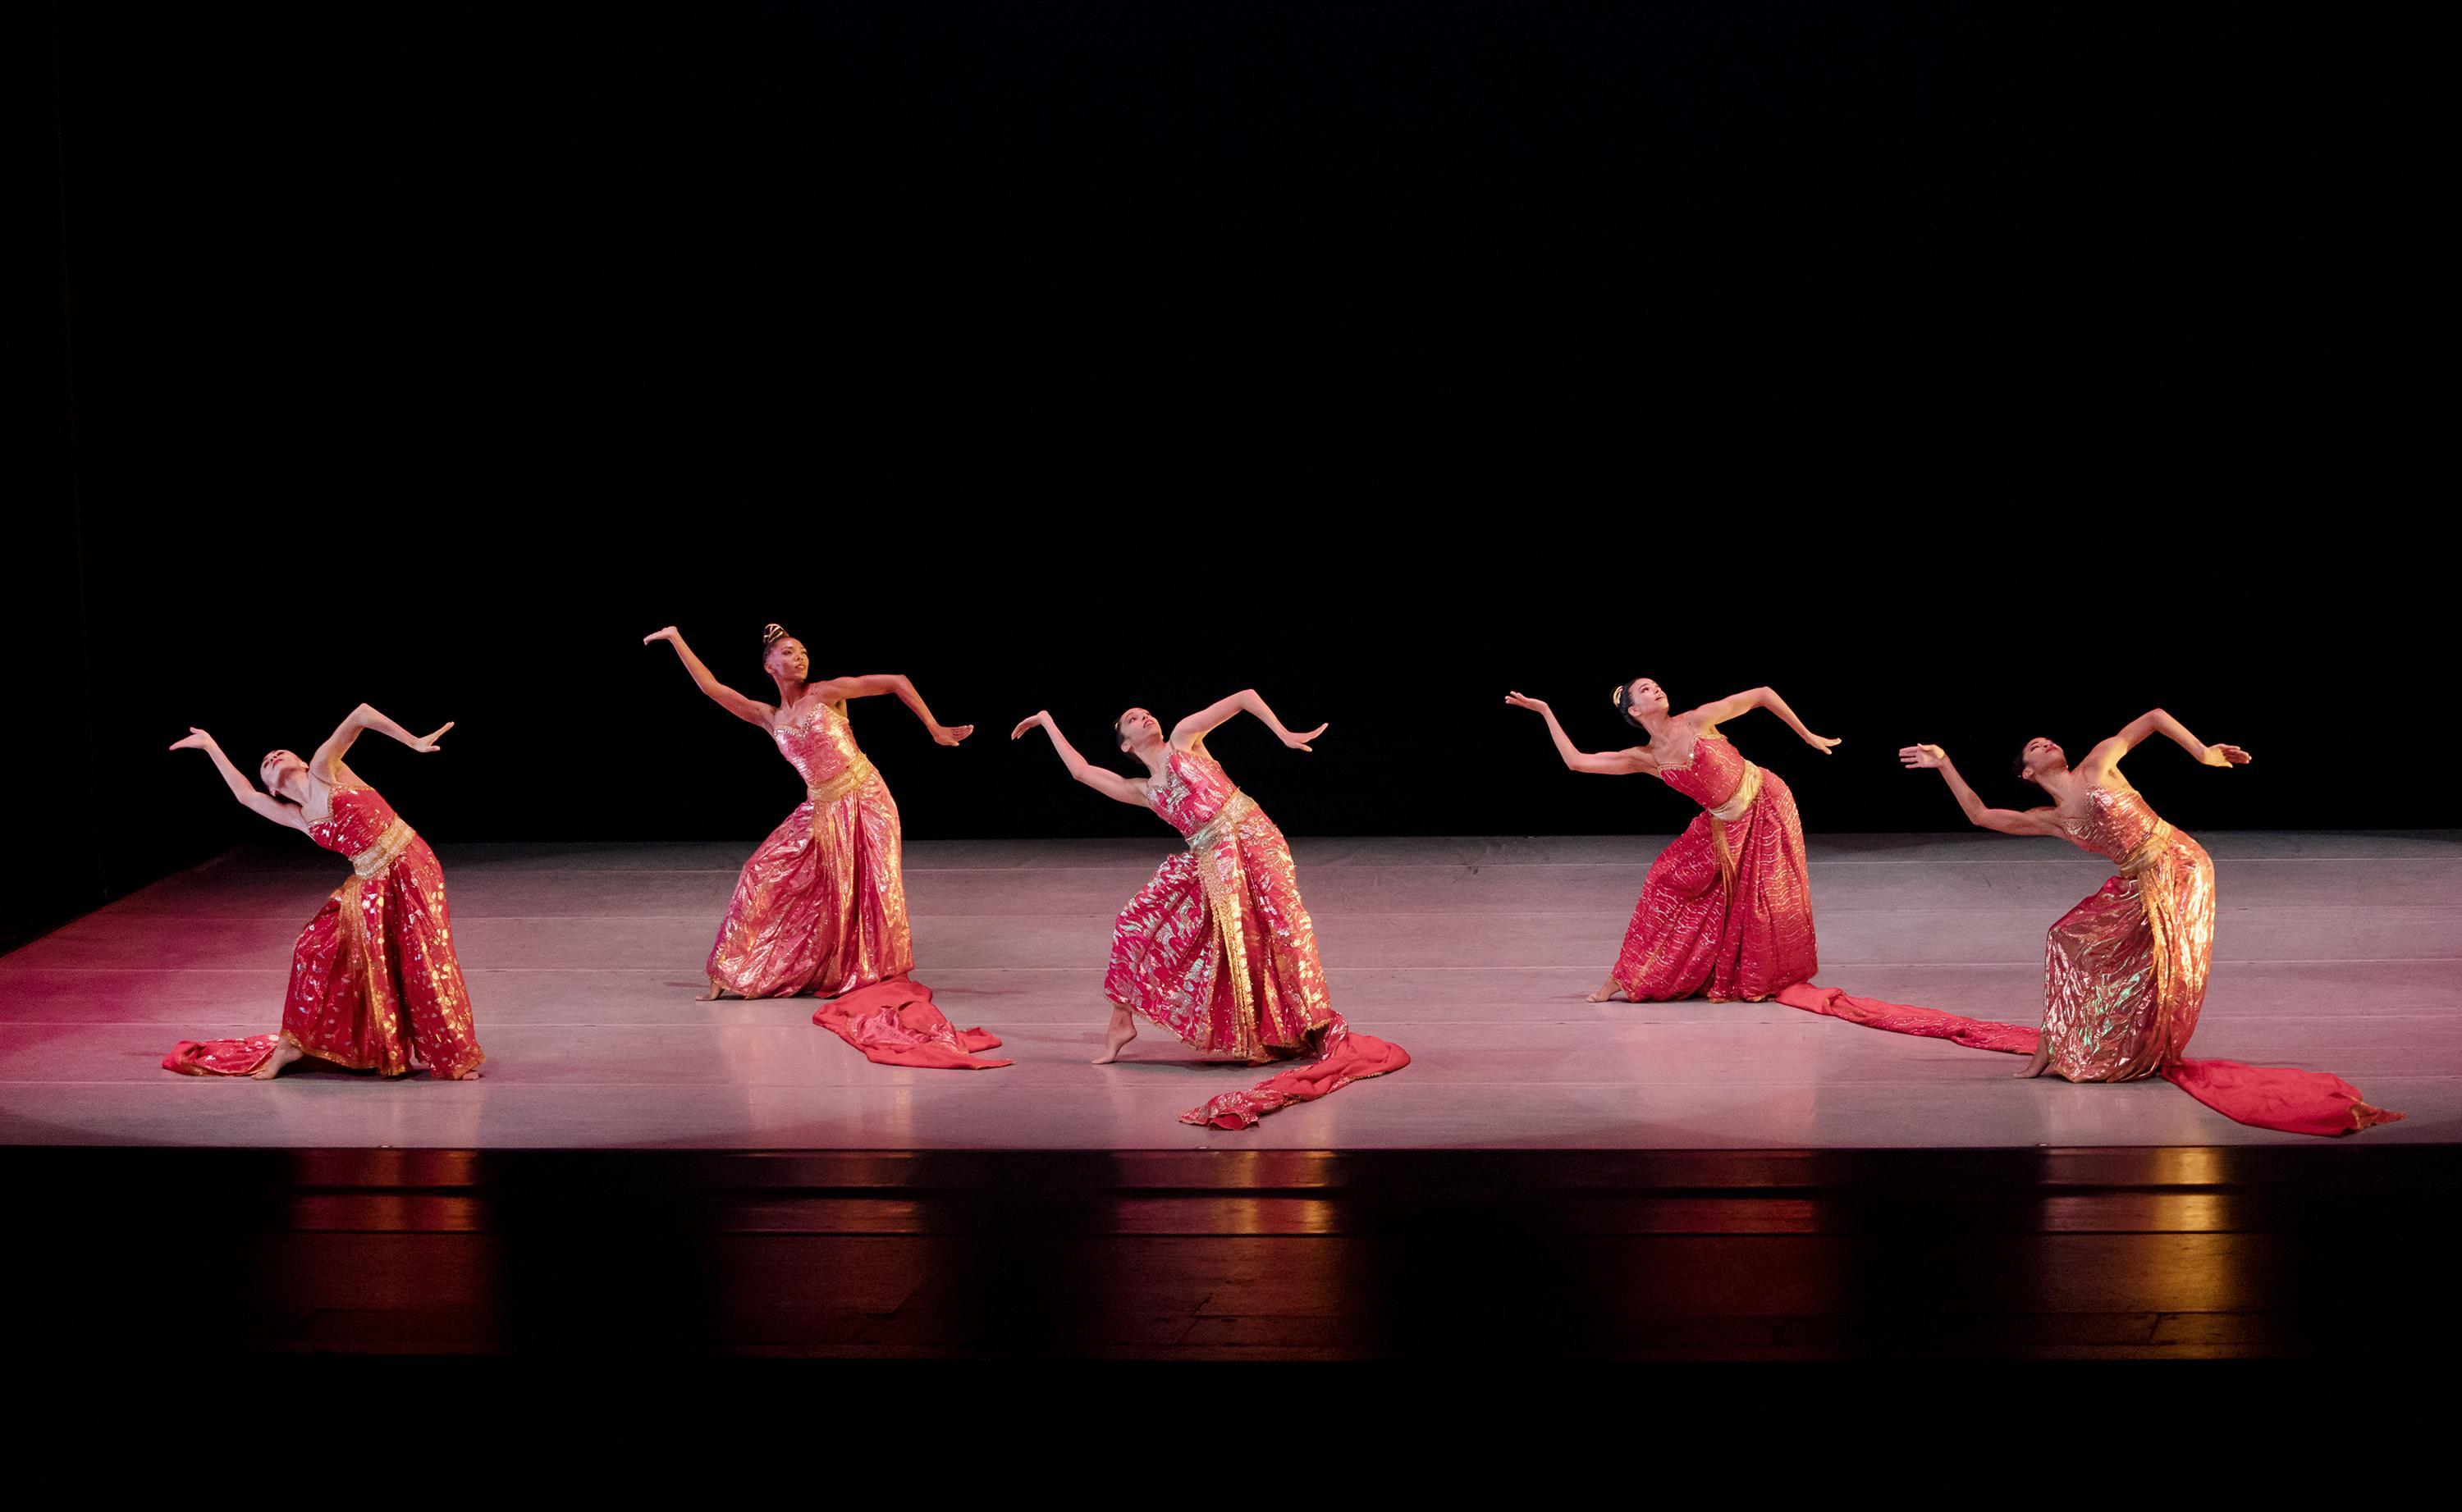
(277, 771)
(1137, 730)
(2041, 758)
(1637, 696)
(783, 656)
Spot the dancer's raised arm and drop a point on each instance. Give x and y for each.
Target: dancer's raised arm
(250, 797)
(750, 709)
(1606, 763)
(1111, 785)
(2154, 722)
(1195, 727)
(326, 763)
(2007, 821)
(1742, 703)
(875, 683)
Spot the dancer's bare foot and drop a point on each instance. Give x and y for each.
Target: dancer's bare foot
(712, 992)
(1115, 1038)
(2043, 1062)
(1609, 993)
(284, 1054)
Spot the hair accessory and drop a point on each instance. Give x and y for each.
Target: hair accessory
(771, 634)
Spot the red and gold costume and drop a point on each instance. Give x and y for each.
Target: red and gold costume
(374, 982)
(1218, 950)
(820, 908)
(2123, 980)
(1727, 905)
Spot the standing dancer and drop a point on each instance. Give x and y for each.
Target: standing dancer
(1728, 905)
(2124, 971)
(1217, 947)
(820, 908)
(374, 982)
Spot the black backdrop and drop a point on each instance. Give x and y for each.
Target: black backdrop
(1966, 375)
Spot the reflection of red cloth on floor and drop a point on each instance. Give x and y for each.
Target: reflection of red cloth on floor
(220, 1057)
(895, 1023)
(1344, 1058)
(2265, 1096)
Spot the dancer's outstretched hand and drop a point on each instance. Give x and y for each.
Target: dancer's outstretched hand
(668, 634)
(1824, 744)
(1522, 701)
(2224, 756)
(1040, 717)
(951, 735)
(1297, 740)
(1923, 758)
(195, 739)
(426, 745)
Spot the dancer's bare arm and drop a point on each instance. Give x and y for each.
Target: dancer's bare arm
(1746, 702)
(1193, 728)
(326, 763)
(250, 797)
(875, 683)
(2146, 727)
(1606, 763)
(2007, 821)
(752, 710)
(1111, 785)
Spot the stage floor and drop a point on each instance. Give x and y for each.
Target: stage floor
(2335, 951)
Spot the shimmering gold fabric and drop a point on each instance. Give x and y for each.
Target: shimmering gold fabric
(375, 983)
(2124, 971)
(1217, 947)
(821, 907)
(1727, 906)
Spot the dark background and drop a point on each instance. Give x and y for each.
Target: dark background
(1966, 374)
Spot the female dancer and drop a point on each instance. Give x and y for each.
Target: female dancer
(1728, 905)
(374, 982)
(820, 908)
(1217, 947)
(2124, 971)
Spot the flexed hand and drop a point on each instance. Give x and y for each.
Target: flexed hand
(1297, 740)
(670, 634)
(951, 735)
(1040, 717)
(195, 739)
(1824, 744)
(1524, 701)
(2224, 756)
(1923, 758)
(425, 745)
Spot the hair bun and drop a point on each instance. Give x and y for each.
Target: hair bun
(771, 634)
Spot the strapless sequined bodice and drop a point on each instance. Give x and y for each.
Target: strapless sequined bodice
(818, 742)
(1712, 778)
(359, 818)
(1191, 791)
(2117, 822)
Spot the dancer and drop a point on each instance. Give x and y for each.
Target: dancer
(1728, 905)
(1217, 947)
(2124, 971)
(374, 982)
(820, 908)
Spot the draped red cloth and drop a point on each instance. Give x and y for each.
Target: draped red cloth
(2281, 1098)
(895, 1023)
(220, 1057)
(1344, 1058)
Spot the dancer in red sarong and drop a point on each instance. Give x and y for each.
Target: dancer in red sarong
(2123, 971)
(1727, 906)
(1217, 947)
(375, 985)
(821, 907)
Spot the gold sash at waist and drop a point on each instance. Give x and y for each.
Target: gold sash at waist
(2152, 846)
(1738, 804)
(387, 849)
(1235, 808)
(832, 789)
